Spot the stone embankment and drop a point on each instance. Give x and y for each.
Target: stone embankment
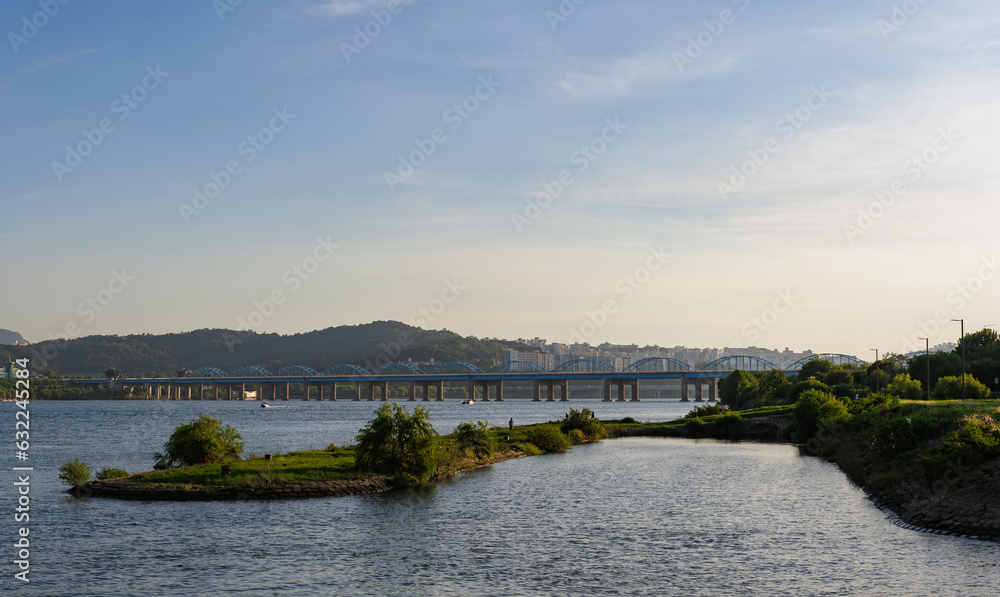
(965, 504)
(126, 489)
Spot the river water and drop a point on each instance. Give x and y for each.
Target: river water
(645, 516)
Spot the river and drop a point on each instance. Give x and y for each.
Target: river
(646, 516)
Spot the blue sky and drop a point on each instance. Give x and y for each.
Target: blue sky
(802, 174)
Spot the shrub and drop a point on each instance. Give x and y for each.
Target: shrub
(548, 438)
(576, 436)
(398, 443)
(528, 449)
(729, 425)
(813, 408)
(583, 420)
(75, 473)
(703, 411)
(906, 387)
(695, 427)
(476, 437)
(950, 388)
(111, 473)
(205, 440)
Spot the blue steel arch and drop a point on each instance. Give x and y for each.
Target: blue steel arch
(456, 367)
(251, 371)
(658, 364)
(295, 371)
(398, 369)
(208, 372)
(743, 362)
(518, 367)
(835, 358)
(345, 370)
(585, 366)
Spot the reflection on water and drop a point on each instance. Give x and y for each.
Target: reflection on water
(623, 517)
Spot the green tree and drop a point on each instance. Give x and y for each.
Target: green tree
(817, 368)
(950, 388)
(942, 364)
(398, 443)
(206, 440)
(905, 387)
(735, 390)
(476, 437)
(814, 408)
(548, 438)
(772, 388)
(75, 473)
(583, 420)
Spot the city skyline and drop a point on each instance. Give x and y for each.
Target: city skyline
(721, 174)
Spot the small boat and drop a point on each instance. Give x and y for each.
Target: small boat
(265, 405)
(469, 401)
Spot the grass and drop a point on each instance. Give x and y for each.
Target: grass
(311, 465)
(324, 465)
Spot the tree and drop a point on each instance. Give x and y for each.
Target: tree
(583, 420)
(814, 408)
(476, 437)
(206, 440)
(942, 364)
(817, 368)
(772, 388)
(905, 387)
(75, 473)
(734, 389)
(950, 388)
(398, 443)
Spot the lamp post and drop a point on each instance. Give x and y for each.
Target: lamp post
(927, 353)
(878, 372)
(963, 355)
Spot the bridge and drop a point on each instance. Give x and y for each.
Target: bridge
(430, 385)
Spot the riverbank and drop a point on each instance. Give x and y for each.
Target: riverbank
(931, 466)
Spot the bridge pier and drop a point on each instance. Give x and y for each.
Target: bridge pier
(564, 390)
(357, 391)
(440, 391)
(634, 383)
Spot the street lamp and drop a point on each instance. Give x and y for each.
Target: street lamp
(963, 355)
(927, 352)
(878, 373)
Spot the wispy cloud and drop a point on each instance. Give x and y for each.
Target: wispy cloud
(346, 8)
(59, 59)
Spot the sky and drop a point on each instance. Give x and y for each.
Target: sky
(810, 175)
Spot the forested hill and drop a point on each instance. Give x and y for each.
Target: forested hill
(368, 345)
